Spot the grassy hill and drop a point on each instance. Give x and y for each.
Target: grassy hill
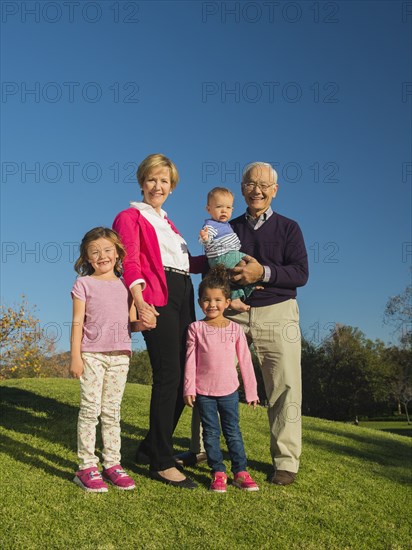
(353, 490)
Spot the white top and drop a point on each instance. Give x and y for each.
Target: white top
(173, 247)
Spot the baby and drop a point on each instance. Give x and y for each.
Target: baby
(222, 245)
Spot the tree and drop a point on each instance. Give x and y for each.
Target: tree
(140, 371)
(345, 376)
(24, 347)
(313, 379)
(400, 381)
(398, 313)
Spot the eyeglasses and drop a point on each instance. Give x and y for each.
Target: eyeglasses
(249, 185)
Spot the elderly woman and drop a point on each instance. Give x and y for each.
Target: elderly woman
(156, 269)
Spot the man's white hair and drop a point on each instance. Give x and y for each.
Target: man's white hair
(252, 165)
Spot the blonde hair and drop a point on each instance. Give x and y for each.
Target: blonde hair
(249, 168)
(153, 161)
(82, 265)
(217, 190)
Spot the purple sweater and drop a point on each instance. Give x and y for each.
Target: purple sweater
(279, 244)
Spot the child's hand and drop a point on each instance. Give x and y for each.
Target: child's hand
(189, 400)
(147, 314)
(148, 318)
(76, 367)
(204, 235)
(253, 403)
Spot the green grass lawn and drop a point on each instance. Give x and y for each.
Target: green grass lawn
(398, 427)
(353, 489)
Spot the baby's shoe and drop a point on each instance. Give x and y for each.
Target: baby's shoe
(219, 482)
(90, 480)
(118, 477)
(242, 480)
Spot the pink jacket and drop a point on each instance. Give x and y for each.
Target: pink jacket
(211, 361)
(143, 259)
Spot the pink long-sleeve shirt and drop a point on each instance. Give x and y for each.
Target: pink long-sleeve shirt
(143, 259)
(211, 361)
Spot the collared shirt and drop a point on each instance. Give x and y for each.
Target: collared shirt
(256, 223)
(173, 247)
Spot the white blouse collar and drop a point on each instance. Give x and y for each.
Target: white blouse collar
(149, 209)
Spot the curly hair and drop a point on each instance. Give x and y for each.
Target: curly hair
(217, 277)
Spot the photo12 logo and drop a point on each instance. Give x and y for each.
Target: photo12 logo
(270, 12)
(69, 92)
(35, 252)
(407, 172)
(269, 92)
(69, 171)
(70, 12)
(288, 172)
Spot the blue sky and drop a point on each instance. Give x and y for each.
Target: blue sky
(322, 90)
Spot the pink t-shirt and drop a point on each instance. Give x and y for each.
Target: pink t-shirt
(211, 361)
(106, 321)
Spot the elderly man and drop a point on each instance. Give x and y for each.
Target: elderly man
(277, 260)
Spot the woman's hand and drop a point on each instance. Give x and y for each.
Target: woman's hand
(247, 271)
(146, 312)
(147, 315)
(76, 367)
(253, 403)
(189, 400)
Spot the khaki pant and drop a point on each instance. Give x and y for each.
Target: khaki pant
(101, 390)
(275, 334)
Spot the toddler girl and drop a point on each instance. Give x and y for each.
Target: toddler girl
(211, 380)
(100, 355)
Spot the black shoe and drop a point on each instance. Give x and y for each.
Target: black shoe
(190, 459)
(186, 483)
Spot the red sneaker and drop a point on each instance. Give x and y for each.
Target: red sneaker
(243, 481)
(219, 482)
(90, 480)
(118, 477)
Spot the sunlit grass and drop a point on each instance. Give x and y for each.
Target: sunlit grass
(398, 427)
(353, 489)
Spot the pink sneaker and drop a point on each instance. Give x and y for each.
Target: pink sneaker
(243, 481)
(118, 477)
(219, 482)
(90, 480)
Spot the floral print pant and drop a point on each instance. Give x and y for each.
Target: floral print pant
(101, 390)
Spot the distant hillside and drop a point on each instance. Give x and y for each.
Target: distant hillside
(58, 365)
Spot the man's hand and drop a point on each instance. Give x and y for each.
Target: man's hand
(247, 271)
(189, 400)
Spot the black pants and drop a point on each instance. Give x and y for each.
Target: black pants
(166, 345)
